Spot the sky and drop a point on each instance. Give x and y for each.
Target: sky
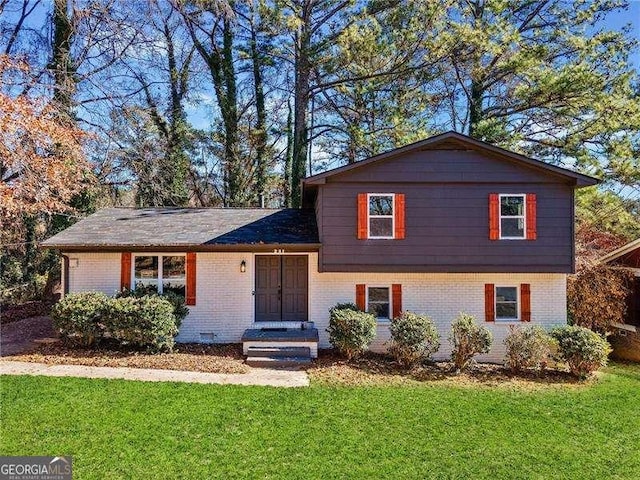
(617, 21)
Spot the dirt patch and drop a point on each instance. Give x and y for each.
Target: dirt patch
(15, 313)
(16, 337)
(192, 357)
(375, 370)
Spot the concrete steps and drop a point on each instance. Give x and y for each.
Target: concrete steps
(273, 357)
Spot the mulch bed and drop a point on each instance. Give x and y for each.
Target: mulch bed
(192, 357)
(376, 369)
(13, 313)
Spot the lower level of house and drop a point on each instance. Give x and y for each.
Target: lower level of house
(236, 291)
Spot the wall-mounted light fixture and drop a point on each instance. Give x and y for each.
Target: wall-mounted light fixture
(243, 266)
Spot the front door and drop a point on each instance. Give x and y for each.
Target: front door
(281, 288)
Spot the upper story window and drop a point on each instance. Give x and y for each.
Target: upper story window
(381, 215)
(162, 273)
(512, 216)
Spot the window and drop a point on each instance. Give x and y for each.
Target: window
(506, 303)
(378, 302)
(512, 216)
(163, 273)
(381, 218)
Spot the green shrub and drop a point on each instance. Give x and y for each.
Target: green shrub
(468, 339)
(146, 321)
(583, 350)
(351, 330)
(413, 338)
(78, 317)
(180, 310)
(528, 347)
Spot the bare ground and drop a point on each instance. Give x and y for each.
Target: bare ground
(18, 336)
(375, 370)
(191, 357)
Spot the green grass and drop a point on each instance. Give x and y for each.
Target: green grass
(121, 429)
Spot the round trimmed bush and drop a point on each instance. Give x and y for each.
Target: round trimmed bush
(468, 339)
(414, 338)
(78, 317)
(351, 330)
(528, 347)
(146, 321)
(583, 350)
(180, 310)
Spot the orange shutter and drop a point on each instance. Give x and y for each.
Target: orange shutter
(399, 216)
(396, 300)
(125, 271)
(525, 300)
(489, 302)
(494, 216)
(191, 279)
(363, 216)
(360, 297)
(531, 216)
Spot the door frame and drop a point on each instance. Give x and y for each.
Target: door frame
(283, 323)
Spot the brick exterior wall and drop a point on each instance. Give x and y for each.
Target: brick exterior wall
(225, 303)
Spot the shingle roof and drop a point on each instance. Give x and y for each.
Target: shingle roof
(189, 227)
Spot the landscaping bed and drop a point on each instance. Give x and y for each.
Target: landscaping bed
(14, 313)
(192, 357)
(378, 370)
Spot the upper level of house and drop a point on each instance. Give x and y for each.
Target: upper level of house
(446, 204)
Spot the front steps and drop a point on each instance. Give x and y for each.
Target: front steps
(278, 356)
(280, 347)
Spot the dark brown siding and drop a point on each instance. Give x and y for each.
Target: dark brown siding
(447, 224)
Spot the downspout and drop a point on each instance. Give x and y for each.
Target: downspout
(65, 274)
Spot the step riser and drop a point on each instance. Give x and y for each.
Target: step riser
(279, 352)
(312, 346)
(272, 362)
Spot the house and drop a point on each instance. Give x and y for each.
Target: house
(626, 340)
(444, 225)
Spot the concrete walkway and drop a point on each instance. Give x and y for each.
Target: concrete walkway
(261, 377)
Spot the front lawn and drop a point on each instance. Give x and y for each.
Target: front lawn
(122, 429)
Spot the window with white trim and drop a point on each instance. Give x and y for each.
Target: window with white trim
(507, 304)
(512, 216)
(162, 273)
(381, 215)
(379, 302)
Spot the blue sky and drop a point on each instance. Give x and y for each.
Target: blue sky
(617, 21)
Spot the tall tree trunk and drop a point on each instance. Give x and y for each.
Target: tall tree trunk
(177, 164)
(235, 187)
(261, 120)
(301, 105)
(475, 106)
(62, 63)
(288, 158)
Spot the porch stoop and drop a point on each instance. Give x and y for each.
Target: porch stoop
(280, 347)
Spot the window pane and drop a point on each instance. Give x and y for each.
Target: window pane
(506, 310)
(512, 227)
(381, 205)
(172, 267)
(175, 286)
(379, 294)
(512, 205)
(381, 227)
(379, 310)
(506, 294)
(149, 286)
(146, 267)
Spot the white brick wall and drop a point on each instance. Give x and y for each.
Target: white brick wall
(225, 304)
(441, 296)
